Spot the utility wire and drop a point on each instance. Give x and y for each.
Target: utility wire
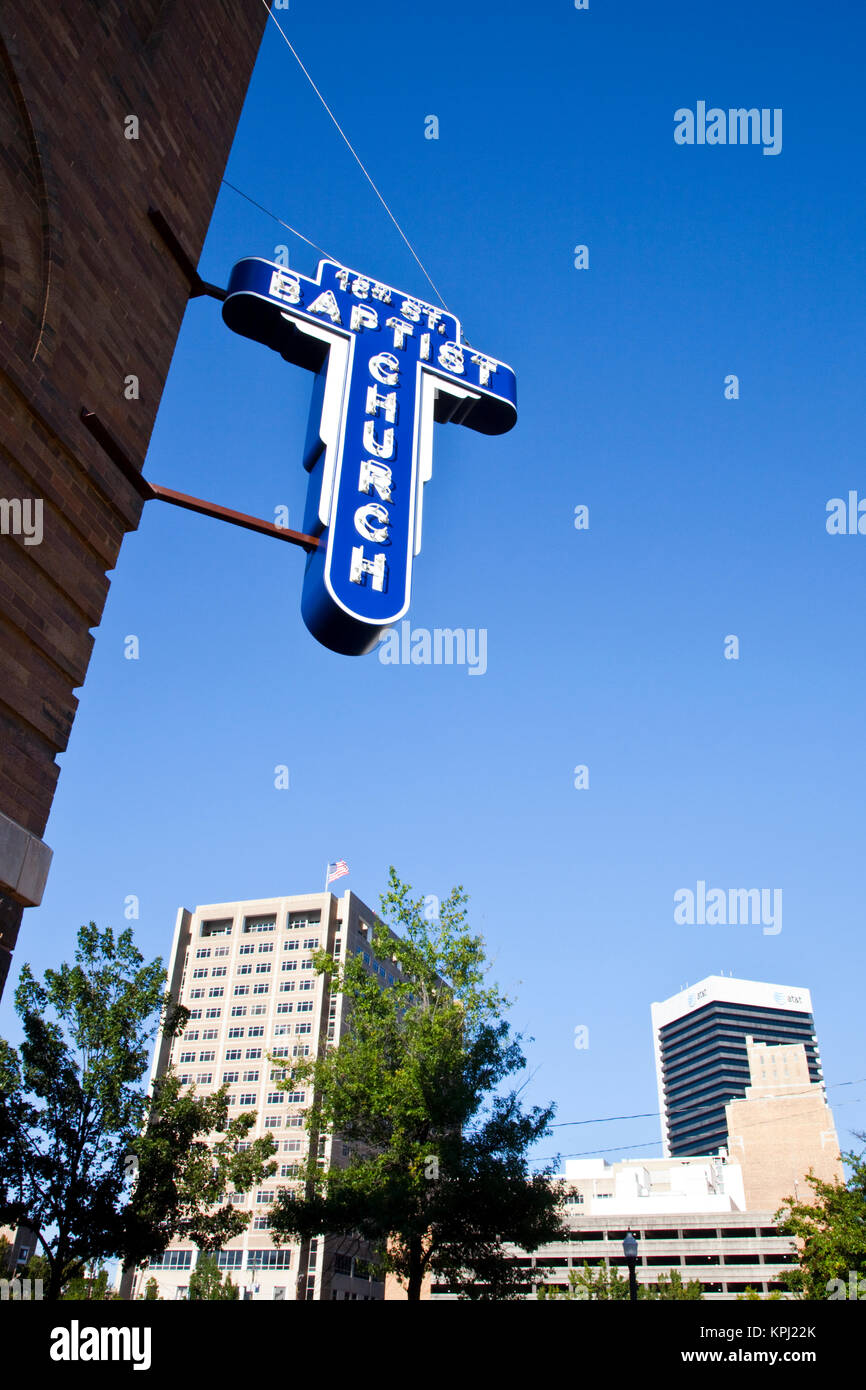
(618, 1148)
(268, 212)
(355, 154)
(677, 1111)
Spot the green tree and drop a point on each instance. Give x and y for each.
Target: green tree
(609, 1285)
(673, 1288)
(437, 1178)
(206, 1282)
(830, 1231)
(151, 1291)
(76, 1124)
(92, 1287)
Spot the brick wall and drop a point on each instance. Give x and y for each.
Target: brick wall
(89, 295)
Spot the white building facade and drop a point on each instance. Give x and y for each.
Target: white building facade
(245, 972)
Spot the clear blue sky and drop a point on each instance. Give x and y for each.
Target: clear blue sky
(605, 647)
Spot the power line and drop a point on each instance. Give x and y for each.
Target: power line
(618, 1148)
(354, 154)
(268, 212)
(679, 1112)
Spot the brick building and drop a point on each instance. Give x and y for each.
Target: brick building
(111, 112)
(782, 1128)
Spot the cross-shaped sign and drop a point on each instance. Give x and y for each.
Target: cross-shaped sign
(387, 366)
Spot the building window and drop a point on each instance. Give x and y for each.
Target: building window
(304, 920)
(217, 971)
(290, 945)
(263, 967)
(265, 947)
(202, 953)
(303, 1027)
(241, 989)
(253, 1053)
(209, 1033)
(233, 1054)
(275, 1098)
(259, 924)
(273, 1121)
(186, 1057)
(260, 989)
(311, 943)
(200, 974)
(207, 1056)
(306, 984)
(258, 1009)
(248, 1098)
(281, 1028)
(217, 928)
(262, 1223)
(257, 1032)
(239, 1010)
(236, 1032)
(221, 950)
(196, 994)
(230, 1259)
(289, 965)
(295, 1097)
(205, 1078)
(251, 1075)
(212, 1013)
(229, 1077)
(245, 969)
(285, 1008)
(195, 1013)
(246, 949)
(301, 1050)
(264, 1196)
(287, 987)
(269, 1259)
(172, 1259)
(305, 1006)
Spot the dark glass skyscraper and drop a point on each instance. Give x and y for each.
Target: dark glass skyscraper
(700, 1049)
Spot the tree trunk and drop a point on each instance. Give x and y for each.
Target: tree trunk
(416, 1270)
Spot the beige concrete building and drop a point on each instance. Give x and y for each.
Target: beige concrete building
(782, 1128)
(245, 971)
(688, 1214)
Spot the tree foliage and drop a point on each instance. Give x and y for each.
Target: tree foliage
(830, 1231)
(608, 1285)
(77, 1125)
(437, 1178)
(206, 1282)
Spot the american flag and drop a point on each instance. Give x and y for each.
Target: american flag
(337, 870)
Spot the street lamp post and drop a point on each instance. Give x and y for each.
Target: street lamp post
(629, 1249)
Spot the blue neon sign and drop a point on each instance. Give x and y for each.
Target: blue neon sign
(387, 366)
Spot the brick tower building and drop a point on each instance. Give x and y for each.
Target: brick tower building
(116, 119)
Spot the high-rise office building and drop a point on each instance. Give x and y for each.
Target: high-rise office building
(701, 1053)
(245, 972)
